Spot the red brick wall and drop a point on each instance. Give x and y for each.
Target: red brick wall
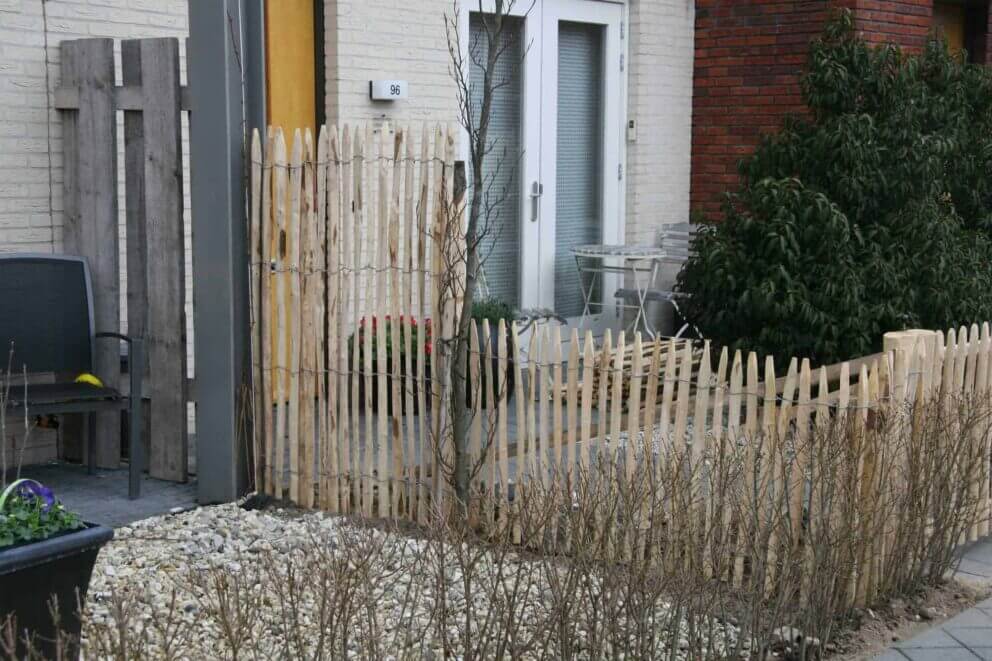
(748, 58)
(749, 55)
(904, 22)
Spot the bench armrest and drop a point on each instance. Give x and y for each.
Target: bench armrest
(136, 349)
(119, 336)
(135, 369)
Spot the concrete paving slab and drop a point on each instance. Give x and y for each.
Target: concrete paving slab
(940, 654)
(970, 636)
(967, 635)
(973, 617)
(929, 639)
(891, 655)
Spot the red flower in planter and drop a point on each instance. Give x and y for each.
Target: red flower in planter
(422, 335)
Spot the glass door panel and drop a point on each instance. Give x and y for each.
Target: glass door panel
(500, 248)
(579, 159)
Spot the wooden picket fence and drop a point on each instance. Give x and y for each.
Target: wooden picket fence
(350, 402)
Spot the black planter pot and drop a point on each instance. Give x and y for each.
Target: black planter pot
(32, 574)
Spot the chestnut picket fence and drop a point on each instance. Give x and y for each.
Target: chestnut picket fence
(350, 403)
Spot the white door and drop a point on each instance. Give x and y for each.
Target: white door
(556, 128)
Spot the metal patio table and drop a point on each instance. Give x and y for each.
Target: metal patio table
(640, 262)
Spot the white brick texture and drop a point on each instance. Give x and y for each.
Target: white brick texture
(404, 39)
(31, 190)
(659, 100)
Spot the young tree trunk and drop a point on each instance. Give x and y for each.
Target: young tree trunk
(478, 224)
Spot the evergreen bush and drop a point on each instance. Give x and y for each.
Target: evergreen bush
(872, 212)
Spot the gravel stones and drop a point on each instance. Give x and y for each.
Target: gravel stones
(284, 584)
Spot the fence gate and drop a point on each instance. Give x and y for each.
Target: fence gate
(152, 101)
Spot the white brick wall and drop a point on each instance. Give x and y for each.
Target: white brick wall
(30, 209)
(405, 40)
(388, 39)
(659, 99)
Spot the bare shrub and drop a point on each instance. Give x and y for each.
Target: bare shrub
(654, 550)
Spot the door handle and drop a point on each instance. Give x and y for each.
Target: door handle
(536, 191)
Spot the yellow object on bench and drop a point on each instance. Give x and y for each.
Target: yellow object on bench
(92, 380)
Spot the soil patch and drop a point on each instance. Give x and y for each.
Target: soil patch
(901, 619)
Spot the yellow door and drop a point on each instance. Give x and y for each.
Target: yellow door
(290, 65)
(949, 19)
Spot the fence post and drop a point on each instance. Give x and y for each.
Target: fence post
(90, 198)
(156, 271)
(226, 79)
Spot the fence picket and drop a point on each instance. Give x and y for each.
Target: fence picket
(334, 441)
(307, 328)
(281, 175)
(572, 399)
(732, 521)
(268, 313)
(502, 384)
(489, 440)
(556, 403)
(255, 280)
(982, 394)
(294, 311)
(419, 238)
(588, 374)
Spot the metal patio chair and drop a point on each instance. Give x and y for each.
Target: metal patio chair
(675, 245)
(46, 319)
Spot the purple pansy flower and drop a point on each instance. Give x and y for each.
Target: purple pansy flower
(31, 489)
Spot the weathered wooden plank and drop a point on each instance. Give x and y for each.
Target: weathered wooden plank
(90, 208)
(156, 260)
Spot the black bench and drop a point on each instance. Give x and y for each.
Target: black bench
(46, 317)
